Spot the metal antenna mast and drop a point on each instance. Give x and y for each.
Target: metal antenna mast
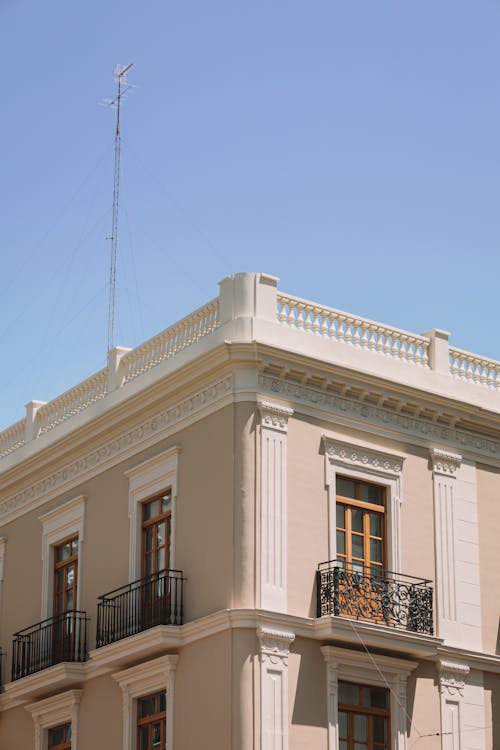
(120, 76)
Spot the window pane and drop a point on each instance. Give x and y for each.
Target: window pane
(63, 552)
(146, 706)
(377, 697)
(74, 547)
(346, 487)
(342, 724)
(342, 745)
(348, 693)
(165, 502)
(357, 546)
(360, 727)
(359, 746)
(357, 520)
(70, 575)
(160, 534)
(375, 524)
(149, 539)
(370, 493)
(379, 729)
(340, 516)
(156, 735)
(163, 702)
(341, 542)
(376, 550)
(143, 738)
(160, 559)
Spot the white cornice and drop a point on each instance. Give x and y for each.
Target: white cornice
(379, 420)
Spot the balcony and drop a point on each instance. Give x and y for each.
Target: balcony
(58, 639)
(398, 601)
(157, 599)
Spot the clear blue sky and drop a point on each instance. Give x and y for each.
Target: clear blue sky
(351, 148)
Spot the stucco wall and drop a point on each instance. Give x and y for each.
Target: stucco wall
(488, 495)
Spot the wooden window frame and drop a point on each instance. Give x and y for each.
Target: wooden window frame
(352, 708)
(61, 745)
(159, 716)
(350, 503)
(71, 560)
(165, 517)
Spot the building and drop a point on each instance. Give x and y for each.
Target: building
(196, 541)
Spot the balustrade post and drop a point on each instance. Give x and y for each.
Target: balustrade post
(115, 376)
(248, 295)
(31, 410)
(439, 350)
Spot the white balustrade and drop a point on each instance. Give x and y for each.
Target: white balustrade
(292, 312)
(473, 369)
(70, 403)
(348, 329)
(167, 343)
(12, 438)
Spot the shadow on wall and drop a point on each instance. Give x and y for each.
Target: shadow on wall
(497, 649)
(309, 707)
(492, 686)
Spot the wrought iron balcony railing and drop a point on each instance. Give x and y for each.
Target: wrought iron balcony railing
(399, 601)
(157, 599)
(57, 639)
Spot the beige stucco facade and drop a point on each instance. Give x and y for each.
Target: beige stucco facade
(247, 413)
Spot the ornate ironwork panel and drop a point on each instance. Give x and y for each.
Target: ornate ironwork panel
(381, 596)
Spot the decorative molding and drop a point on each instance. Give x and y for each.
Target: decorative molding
(452, 678)
(273, 505)
(274, 650)
(145, 678)
(58, 524)
(444, 462)
(3, 546)
(365, 462)
(145, 480)
(274, 645)
(112, 452)
(274, 416)
(362, 457)
(54, 711)
(383, 671)
(384, 419)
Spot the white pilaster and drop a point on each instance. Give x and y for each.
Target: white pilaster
(457, 550)
(274, 651)
(273, 513)
(452, 678)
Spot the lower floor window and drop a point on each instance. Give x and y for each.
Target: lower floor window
(152, 722)
(364, 718)
(59, 738)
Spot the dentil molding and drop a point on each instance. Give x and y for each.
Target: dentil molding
(149, 431)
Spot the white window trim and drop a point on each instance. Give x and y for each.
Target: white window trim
(365, 462)
(146, 678)
(54, 711)
(146, 480)
(65, 521)
(364, 669)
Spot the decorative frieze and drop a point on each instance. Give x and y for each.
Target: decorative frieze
(385, 420)
(362, 457)
(108, 454)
